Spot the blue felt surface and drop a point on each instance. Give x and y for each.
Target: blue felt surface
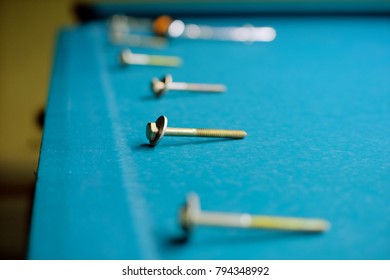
(316, 106)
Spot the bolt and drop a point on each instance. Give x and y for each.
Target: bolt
(156, 131)
(127, 57)
(159, 87)
(191, 215)
(175, 28)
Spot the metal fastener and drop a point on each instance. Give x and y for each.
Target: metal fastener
(191, 215)
(159, 87)
(127, 57)
(131, 31)
(175, 28)
(155, 131)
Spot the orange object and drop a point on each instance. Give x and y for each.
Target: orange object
(161, 25)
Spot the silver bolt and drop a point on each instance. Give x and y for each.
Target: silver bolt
(191, 215)
(127, 57)
(122, 32)
(159, 87)
(174, 28)
(155, 131)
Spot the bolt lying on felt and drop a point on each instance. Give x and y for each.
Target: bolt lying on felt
(174, 28)
(159, 87)
(122, 32)
(191, 215)
(155, 131)
(127, 57)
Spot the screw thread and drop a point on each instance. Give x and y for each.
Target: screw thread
(289, 223)
(220, 133)
(192, 215)
(265, 222)
(159, 60)
(203, 132)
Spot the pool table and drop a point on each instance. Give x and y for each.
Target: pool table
(315, 103)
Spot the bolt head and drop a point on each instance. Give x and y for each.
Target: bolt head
(125, 57)
(151, 131)
(155, 131)
(159, 87)
(190, 211)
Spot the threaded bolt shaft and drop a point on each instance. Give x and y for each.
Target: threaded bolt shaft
(204, 132)
(192, 215)
(157, 130)
(161, 86)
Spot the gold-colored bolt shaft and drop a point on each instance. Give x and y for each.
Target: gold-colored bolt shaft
(204, 132)
(266, 222)
(155, 131)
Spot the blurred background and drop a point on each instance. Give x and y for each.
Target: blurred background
(27, 41)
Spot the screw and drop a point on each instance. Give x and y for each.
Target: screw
(127, 57)
(159, 87)
(122, 32)
(156, 131)
(175, 28)
(191, 215)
